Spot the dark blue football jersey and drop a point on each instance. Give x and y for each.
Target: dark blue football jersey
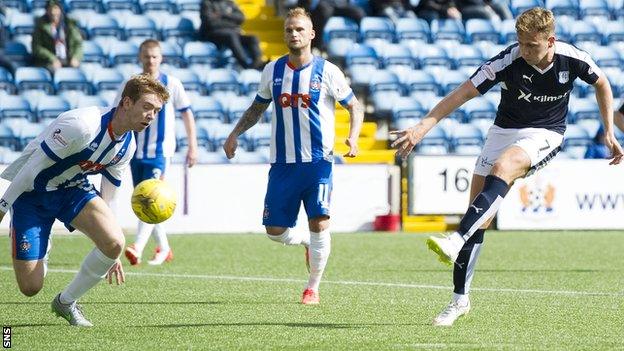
(532, 97)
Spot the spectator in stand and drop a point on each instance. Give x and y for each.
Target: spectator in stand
(484, 9)
(393, 9)
(501, 7)
(598, 149)
(4, 61)
(322, 10)
(56, 41)
(221, 22)
(437, 9)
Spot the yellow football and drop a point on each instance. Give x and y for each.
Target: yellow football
(153, 201)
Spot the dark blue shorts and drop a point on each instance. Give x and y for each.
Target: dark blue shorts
(293, 183)
(33, 214)
(147, 168)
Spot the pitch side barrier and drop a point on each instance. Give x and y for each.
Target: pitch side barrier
(229, 198)
(566, 194)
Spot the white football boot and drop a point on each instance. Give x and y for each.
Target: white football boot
(447, 248)
(449, 315)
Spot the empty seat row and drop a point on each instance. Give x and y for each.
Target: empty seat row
(136, 6)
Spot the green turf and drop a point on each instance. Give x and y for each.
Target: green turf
(532, 291)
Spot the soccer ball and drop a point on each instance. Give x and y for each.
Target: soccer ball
(153, 201)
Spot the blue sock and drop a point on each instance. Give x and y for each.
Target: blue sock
(463, 269)
(484, 205)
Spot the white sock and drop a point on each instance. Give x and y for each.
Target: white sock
(144, 231)
(461, 299)
(92, 270)
(320, 247)
(292, 237)
(161, 237)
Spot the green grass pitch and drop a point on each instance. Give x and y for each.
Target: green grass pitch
(531, 291)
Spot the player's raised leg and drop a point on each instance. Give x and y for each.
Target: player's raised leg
(97, 221)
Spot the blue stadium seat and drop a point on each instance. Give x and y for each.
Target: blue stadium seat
(466, 134)
(418, 81)
(236, 106)
(190, 80)
(594, 8)
(209, 108)
(250, 81)
(6, 81)
(397, 54)
(468, 150)
(91, 100)
(156, 5)
(7, 139)
(28, 132)
(585, 108)
(362, 54)
(575, 135)
(384, 88)
(73, 5)
(177, 27)
(33, 78)
(478, 108)
(108, 96)
(432, 150)
(106, 79)
(338, 48)
(50, 106)
(14, 106)
(187, 5)
(519, 6)
(103, 25)
(584, 31)
(466, 55)
(407, 107)
(123, 52)
(258, 136)
(340, 27)
(69, 78)
(563, 7)
(196, 52)
(139, 26)
(613, 31)
(92, 52)
(222, 80)
(36, 4)
(21, 23)
(20, 5)
(127, 70)
(434, 55)
(172, 54)
(478, 29)
(16, 51)
(451, 80)
(376, 28)
(408, 29)
(606, 56)
(436, 136)
(360, 75)
(110, 5)
(447, 29)
(508, 31)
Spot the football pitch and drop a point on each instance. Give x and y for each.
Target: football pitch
(531, 291)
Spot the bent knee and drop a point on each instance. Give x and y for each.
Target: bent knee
(275, 230)
(114, 247)
(30, 289)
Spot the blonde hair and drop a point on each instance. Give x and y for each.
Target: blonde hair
(298, 12)
(143, 84)
(536, 20)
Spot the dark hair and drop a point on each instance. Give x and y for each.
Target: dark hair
(51, 3)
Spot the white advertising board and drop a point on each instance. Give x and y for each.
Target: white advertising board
(440, 184)
(567, 194)
(230, 198)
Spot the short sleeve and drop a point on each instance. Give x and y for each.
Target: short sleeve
(587, 69)
(65, 136)
(494, 70)
(264, 90)
(339, 87)
(179, 98)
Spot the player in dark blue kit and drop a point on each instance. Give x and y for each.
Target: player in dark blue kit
(536, 75)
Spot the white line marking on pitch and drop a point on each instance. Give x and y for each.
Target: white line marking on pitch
(343, 282)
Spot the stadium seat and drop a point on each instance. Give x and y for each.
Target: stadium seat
(432, 150)
(613, 31)
(466, 55)
(92, 52)
(190, 80)
(236, 106)
(384, 89)
(508, 31)
(407, 107)
(594, 8)
(69, 78)
(196, 52)
(21, 23)
(187, 5)
(33, 78)
(17, 52)
(468, 150)
(250, 81)
(409, 29)
(397, 54)
(14, 106)
(419, 81)
(606, 56)
(451, 80)
(172, 54)
(91, 100)
(108, 96)
(337, 49)
(106, 79)
(19, 5)
(208, 107)
(139, 26)
(519, 6)
(376, 28)
(576, 135)
(6, 81)
(362, 54)
(340, 27)
(360, 75)
(36, 4)
(563, 7)
(156, 5)
(103, 25)
(223, 80)
(584, 31)
(258, 136)
(50, 106)
(447, 29)
(478, 29)
(585, 108)
(28, 132)
(478, 108)
(177, 27)
(123, 52)
(562, 30)
(434, 55)
(73, 5)
(110, 5)
(466, 134)
(7, 139)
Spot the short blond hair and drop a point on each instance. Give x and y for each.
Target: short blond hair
(298, 12)
(143, 84)
(536, 20)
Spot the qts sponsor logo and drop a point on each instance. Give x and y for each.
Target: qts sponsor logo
(295, 100)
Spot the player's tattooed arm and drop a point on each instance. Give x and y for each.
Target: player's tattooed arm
(250, 117)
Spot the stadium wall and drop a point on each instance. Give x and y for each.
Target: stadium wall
(227, 198)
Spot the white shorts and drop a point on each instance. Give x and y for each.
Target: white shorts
(540, 144)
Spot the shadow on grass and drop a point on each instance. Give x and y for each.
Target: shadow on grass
(122, 303)
(291, 325)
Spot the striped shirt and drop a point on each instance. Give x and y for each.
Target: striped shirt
(77, 144)
(303, 123)
(534, 97)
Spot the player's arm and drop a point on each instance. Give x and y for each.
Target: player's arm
(408, 138)
(191, 135)
(356, 116)
(250, 117)
(604, 97)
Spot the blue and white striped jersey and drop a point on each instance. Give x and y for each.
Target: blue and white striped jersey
(76, 144)
(534, 97)
(303, 118)
(159, 139)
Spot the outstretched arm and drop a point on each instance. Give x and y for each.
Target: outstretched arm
(249, 119)
(604, 98)
(356, 114)
(408, 138)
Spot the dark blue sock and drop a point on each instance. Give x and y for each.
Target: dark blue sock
(461, 272)
(484, 205)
